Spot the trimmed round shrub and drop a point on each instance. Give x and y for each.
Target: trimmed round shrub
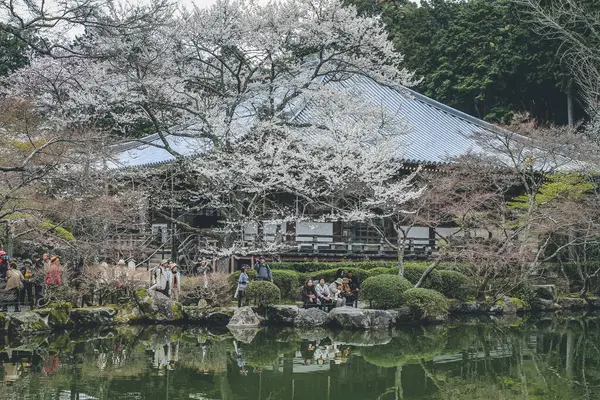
(287, 282)
(453, 285)
(385, 291)
(425, 303)
(262, 293)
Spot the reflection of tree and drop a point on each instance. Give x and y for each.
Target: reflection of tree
(408, 347)
(265, 351)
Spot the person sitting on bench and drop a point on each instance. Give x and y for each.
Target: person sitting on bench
(309, 295)
(324, 295)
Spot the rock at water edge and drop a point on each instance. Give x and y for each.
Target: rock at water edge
(244, 317)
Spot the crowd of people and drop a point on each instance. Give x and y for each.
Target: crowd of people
(344, 291)
(23, 283)
(167, 279)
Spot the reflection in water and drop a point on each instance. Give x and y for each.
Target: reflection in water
(551, 359)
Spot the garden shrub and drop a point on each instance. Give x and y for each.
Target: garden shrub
(385, 291)
(425, 302)
(301, 266)
(262, 293)
(382, 270)
(526, 293)
(330, 274)
(287, 281)
(453, 285)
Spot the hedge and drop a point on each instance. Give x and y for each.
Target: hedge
(262, 293)
(287, 282)
(385, 291)
(302, 266)
(451, 284)
(425, 302)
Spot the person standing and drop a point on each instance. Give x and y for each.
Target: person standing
(54, 272)
(4, 267)
(354, 287)
(263, 270)
(175, 282)
(13, 287)
(38, 277)
(242, 283)
(163, 279)
(27, 272)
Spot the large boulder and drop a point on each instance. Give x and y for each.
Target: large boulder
(572, 303)
(546, 305)
(156, 307)
(282, 315)
(93, 316)
(56, 314)
(547, 292)
(401, 315)
(27, 323)
(511, 306)
(312, 317)
(208, 316)
(244, 317)
(354, 318)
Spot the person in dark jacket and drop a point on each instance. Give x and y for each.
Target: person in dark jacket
(263, 270)
(354, 283)
(309, 295)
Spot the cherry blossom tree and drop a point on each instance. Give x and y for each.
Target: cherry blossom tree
(239, 78)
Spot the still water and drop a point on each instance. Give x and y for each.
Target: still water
(543, 359)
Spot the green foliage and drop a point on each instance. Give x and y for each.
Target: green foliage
(262, 293)
(409, 346)
(454, 285)
(385, 291)
(287, 282)
(330, 274)
(527, 294)
(58, 230)
(425, 302)
(383, 270)
(479, 56)
(12, 53)
(559, 186)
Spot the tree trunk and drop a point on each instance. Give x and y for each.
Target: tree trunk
(481, 289)
(401, 243)
(427, 272)
(570, 117)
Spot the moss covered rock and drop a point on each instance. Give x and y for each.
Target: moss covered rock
(27, 323)
(208, 316)
(57, 314)
(156, 307)
(94, 316)
(427, 305)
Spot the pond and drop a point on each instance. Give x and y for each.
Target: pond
(475, 359)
